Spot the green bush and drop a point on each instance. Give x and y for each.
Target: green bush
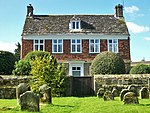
(108, 63)
(45, 70)
(22, 67)
(7, 62)
(140, 69)
(31, 55)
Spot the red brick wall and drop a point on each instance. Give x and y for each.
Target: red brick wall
(27, 46)
(124, 49)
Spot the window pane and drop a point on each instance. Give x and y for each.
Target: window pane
(73, 25)
(114, 41)
(41, 41)
(77, 25)
(115, 48)
(36, 41)
(59, 41)
(73, 41)
(36, 47)
(73, 48)
(92, 41)
(96, 41)
(110, 41)
(55, 48)
(110, 47)
(41, 47)
(73, 68)
(76, 73)
(78, 68)
(78, 48)
(96, 48)
(55, 41)
(92, 48)
(78, 41)
(59, 48)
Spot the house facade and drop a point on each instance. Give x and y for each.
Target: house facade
(76, 39)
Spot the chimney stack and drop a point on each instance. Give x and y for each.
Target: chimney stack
(30, 10)
(119, 11)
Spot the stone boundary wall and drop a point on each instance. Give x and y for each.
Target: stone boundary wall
(108, 82)
(8, 85)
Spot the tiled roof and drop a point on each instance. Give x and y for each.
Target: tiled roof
(52, 24)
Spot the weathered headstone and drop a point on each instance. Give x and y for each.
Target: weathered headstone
(100, 92)
(130, 98)
(115, 92)
(45, 94)
(133, 89)
(108, 96)
(29, 101)
(144, 93)
(122, 93)
(20, 89)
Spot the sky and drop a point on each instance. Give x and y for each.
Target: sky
(136, 13)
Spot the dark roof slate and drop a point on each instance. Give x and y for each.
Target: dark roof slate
(52, 24)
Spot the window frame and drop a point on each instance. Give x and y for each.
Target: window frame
(94, 46)
(57, 44)
(38, 44)
(113, 45)
(76, 46)
(76, 26)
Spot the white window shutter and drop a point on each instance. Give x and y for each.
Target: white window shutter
(70, 25)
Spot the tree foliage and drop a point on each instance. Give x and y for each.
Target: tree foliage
(108, 63)
(22, 67)
(140, 69)
(18, 50)
(7, 62)
(46, 70)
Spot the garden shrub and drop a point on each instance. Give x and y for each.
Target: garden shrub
(7, 62)
(108, 63)
(140, 69)
(22, 67)
(45, 70)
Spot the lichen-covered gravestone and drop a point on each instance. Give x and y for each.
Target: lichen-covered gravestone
(144, 93)
(115, 92)
(45, 94)
(20, 89)
(122, 93)
(29, 101)
(100, 92)
(130, 98)
(108, 96)
(133, 89)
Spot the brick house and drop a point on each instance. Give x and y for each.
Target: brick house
(76, 39)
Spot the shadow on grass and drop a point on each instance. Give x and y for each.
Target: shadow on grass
(143, 104)
(62, 105)
(9, 108)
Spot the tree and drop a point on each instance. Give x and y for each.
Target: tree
(45, 70)
(7, 62)
(108, 63)
(140, 69)
(18, 51)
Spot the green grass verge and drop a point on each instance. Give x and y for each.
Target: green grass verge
(80, 105)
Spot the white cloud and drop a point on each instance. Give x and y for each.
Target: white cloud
(134, 28)
(132, 9)
(7, 46)
(147, 38)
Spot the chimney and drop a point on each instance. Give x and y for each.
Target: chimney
(119, 11)
(30, 10)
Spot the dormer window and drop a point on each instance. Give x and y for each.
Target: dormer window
(75, 25)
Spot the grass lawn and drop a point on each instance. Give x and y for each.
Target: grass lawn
(80, 105)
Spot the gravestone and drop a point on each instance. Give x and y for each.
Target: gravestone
(122, 93)
(20, 89)
(130, 98)
(108, 96)
(115, 92)
(144, 93)
(133, 89)
(29, 101)
(45, 94)
(100, 92)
